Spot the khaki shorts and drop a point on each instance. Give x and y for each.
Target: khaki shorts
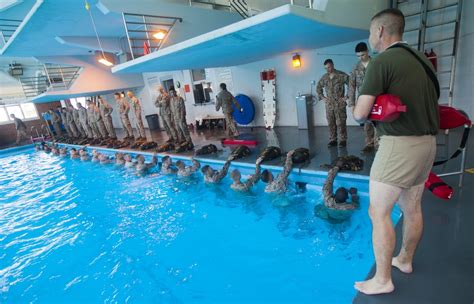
(404, 161)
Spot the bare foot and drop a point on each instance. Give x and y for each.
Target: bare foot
(372, 287)
(403, 267)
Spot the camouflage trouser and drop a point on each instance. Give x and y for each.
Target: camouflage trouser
(73, 129)
(101, 127)
(169, 127)
(370, 137)
(57, 128)
(126, 125)
(94, 130)
(231, 128)
(109, 126)
(20, 134)
(140, 127)
(68, 131)
(182, 129)
(336, 117)
(80, 129)
(87, 129)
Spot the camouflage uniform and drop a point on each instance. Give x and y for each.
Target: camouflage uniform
(329, 200)
(77, 121)
(163, 103)
(249, 183)
(56, 120)
(280, 183)
(70, 123)
(188, 170)
(335, 105)
(99, 123)
(83, 119)
(91, 121)
(62, 114)
(106, 111)
(124, 108)
(137, 109)
(217, 176)
(179, 114)
(355, 82)
(225, 100)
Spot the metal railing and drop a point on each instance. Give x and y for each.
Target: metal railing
(7, 29)
(49, 77)
(140, 30)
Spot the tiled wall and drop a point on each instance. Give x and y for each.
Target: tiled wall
(8, 132)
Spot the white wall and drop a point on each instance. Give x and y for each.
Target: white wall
(464, 81)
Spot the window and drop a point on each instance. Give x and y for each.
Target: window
(22, 111)
(29, 110)
(75, 101)
(15, 110)
(3, 115)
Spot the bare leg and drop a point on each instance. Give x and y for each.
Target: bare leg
(410, 203)
(382, 200)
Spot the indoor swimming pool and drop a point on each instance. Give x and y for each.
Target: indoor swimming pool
(73, 231)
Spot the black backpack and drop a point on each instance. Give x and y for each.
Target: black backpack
(300, 156)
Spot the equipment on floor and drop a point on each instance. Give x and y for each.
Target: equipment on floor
(247, 114)
(438, 187)
(270, 153)
(387, 108)
(230, 141)
(207, 149)
(300, 155)
(268, 79)
(240, 152)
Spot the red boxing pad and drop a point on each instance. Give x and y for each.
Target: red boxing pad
(438, 187)
(387, 108)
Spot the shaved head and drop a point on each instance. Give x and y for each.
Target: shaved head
(392, 21)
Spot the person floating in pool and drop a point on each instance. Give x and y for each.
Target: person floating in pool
(214, 176)
(84, 155)
(336, 205)
(184, 171)
(142, 167)
(63, 152)
(238, 185)
(119, 160)
(129, 163)
(95, 156)
(280, 183)
(166, 166)
(104, 159)
(74, 154)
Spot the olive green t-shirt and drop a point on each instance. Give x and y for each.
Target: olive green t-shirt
(396, 71)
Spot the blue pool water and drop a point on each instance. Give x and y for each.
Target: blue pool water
(75, 232)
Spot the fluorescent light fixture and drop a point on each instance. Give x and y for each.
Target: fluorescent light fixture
(160, 35)
(105, 62)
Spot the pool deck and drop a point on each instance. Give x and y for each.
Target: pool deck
(444, 262)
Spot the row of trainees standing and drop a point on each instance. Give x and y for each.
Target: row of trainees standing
(331, 90)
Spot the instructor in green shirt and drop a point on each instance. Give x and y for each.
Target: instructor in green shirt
(407, 145)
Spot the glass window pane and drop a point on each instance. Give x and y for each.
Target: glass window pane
(15, 110)
(29, 110)
(3, 115)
